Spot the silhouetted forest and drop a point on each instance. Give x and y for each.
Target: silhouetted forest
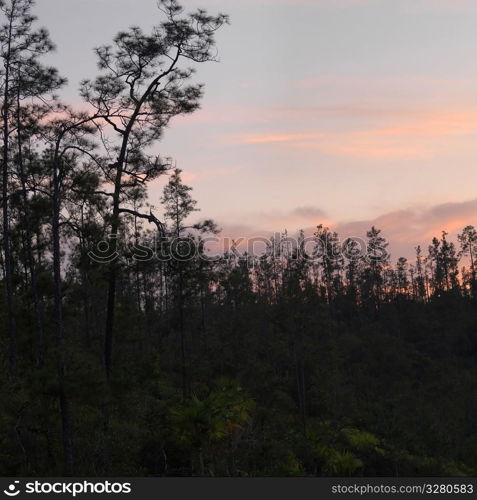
(126, 349)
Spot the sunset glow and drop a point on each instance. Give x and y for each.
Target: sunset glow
(370, 109)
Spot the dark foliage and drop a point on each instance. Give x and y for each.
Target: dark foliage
(169, 363)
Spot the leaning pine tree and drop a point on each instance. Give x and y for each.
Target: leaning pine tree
(142, 86)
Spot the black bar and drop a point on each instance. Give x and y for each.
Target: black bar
(237, 488)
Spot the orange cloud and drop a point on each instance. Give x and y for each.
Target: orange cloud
(440, 123)
(272, 138)
(416, 135)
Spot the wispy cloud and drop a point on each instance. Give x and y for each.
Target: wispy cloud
(208, 172)
(274, 138)
(408, 135)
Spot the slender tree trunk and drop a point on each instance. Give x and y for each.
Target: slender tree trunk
(58, 319)
(300, 381)
(112, 275)
(185, 374)
(184, 370)
(472, 267)
(39, 351)
(11, 324)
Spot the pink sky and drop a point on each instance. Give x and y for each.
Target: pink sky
(343, 112)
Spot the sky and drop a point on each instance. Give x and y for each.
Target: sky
(343, 112)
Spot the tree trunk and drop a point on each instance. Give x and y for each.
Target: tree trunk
(112, 277)
(39, 344)
(11, 324)
(58, 320)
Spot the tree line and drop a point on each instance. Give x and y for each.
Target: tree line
(242, 365)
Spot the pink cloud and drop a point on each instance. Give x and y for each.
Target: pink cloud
(408, 228)
(190, 177)
(404, 229)
(273, 138)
